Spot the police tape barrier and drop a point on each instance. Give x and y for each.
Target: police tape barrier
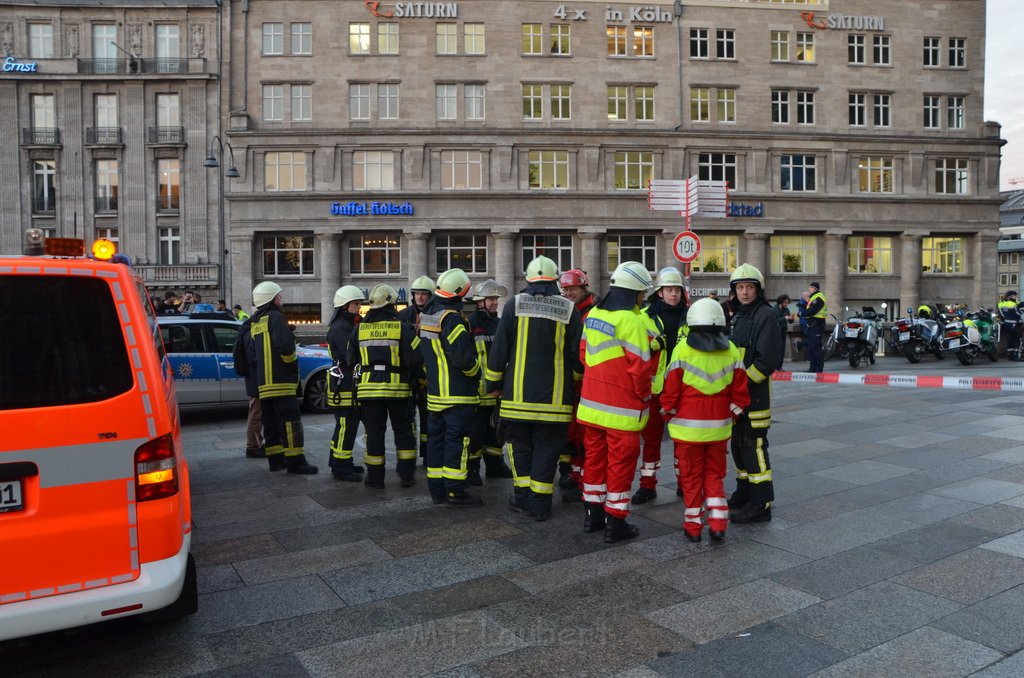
(903, 380)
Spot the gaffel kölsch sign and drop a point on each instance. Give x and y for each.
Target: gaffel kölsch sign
(356, 208)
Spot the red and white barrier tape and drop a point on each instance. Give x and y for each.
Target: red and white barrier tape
(904, 380)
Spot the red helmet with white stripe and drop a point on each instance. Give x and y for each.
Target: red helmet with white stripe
(574, 277)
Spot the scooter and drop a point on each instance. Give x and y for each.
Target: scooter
(914, 336)
(860, 336)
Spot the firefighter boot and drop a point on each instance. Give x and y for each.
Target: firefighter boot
(473, 472)
(496, 466)
(520, 501)
(594, 518)
(375, 477)
(463, 499)
(644, 495)
(752, 513)
(741, 496)
(276, 462)
(565, 481)
(346, 472)
(299, 466)
(617, 529)
(541, 507)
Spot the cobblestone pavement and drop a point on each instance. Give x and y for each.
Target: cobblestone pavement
(897, 547)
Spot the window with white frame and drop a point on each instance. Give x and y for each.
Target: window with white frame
(107, 185)
(474, 38)
(549, 170)
(1009, 259)
(387, 100)
(373, 170)
(44, 186)
(700, 104)
(273, 39)
(618, 102)
(780, 45)
(359, 101)
(44, 111)
(387, 37)
(533, 39)
(1008, 279)
(168, 110)
(798, 173)
(558, 248)
(447, 38)
(858, 109)
(169, 243)
(855, 49)
(725, 43)
(618, 96)
(461, 171)
(168, 171)
(881, 50)
(932, 109)
(780, 106)
(359, 38)
(287, 255)
(40, 40)
(717, 167)
(869, 254)
(633, 169)
(302, 38)
(376, 253)
(643, 102)
(446, 98)
(108, 233)
(718, 254)
(876, 174)
(168, 47)
(930, 50)
(106, 111)
(475, 99)
(955, 112)
(643, 41)
(793, 253)
(805, 48)
(882, 110)
(943, 255)
(804, 107)
(533, 102)
(561, 102)
(642, 248)
(560, 41)
(284, 171)
(273, 103)
(958, 52)
(699, 43)
(302, 103)
(616, 40)
(467, 251)
(726, 108)
(951, 176)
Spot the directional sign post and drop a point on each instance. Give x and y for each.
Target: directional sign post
(686, 246)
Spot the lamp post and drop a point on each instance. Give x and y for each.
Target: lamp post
(232, 173)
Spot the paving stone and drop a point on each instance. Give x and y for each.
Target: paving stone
(217, 578)
(581, 568)
(1010, 474)
(929, 543)
(798, 488)
(437, 538)
(247, 528)
(284, 666)
(868, 616)
(840, 533)
(927, 508)
(1011, 667)
(311, 561)
(564, 539)
(981, 490)
(250, 605)
(997, 518)
(844, 572)
(864, 472)
(1011, 544)
(1012, 455)
(465, 596)
(923, 652)
(233, 550)
(922, 458)
(731, 610)
(642, 671)
(814, 444)
(967, 577)
(764, 651)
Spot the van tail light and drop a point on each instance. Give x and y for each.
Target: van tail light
(156, 469)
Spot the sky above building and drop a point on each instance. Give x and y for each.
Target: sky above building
(1004, 84)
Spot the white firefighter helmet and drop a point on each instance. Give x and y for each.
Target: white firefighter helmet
(422, 284)
(669, 277)
(452, 283)
(346, 295)
(632, 275)
(382, 295)
(489, 288)
(706, 313)
(264, 293)
(541, 269)
(746, 273)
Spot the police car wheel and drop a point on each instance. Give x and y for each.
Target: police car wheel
(316, 393)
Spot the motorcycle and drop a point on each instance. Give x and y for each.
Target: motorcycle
(961, 334)
(988, 335)
(831, 346)
(860, 336)
(914, 336)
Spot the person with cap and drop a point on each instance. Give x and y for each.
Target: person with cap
(1009, 314)
(453, 389)
(277, 381)
(483, 324)
(387, 353)
(532, 365)
(816, 313)
(614, 402)
(705, 390)
(575, 286)
(341, 385)
(667, 313)
(756, 334)
(421, 290)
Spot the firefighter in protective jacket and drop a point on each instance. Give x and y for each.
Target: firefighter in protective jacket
(422, 289)
(576, 288)
(340, 384)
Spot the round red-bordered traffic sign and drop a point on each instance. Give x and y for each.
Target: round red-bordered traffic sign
(686, 246)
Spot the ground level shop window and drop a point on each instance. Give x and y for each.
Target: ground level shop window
(793, 253)
(869, 254)
(640, 248)
(558, 248)
(942, 255)
(465, 251)
(718, 254)
(375, 253)
(287, 255)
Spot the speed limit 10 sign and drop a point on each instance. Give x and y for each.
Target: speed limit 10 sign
(686, 246)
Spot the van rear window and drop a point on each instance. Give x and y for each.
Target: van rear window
(60, 342)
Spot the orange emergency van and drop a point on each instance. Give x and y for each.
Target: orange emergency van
(95, 521)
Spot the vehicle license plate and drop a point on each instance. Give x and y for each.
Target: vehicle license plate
(904, 336)
(10, 496)
(851, 332)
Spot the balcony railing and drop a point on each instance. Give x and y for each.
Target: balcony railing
(181, 274)
(44, 204)
(40, 136)
(166, 135)
(133, 65)
(103, 136)
(106, 203)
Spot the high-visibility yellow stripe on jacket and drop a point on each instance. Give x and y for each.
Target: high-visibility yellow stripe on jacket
(380, 358)
(450, 358)
(655, 331)
(277, 370)
(705, 390)
(823, 311)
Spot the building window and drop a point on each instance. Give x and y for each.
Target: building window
(168, 173)
(474, 38)
(106, 185)
(461, 171)
(1008, 279)
(273, 103)
(168, 110)
(387, 101)
(869, 254)
(855, 52)
(44, 186)
(617, 102)
(106, 111)
(373, 170)
(951, 176)
(475, 100)
(561, 98)
(302, 38)
(465, 251)
(958, 52)
(881, 50)
(643, 41)
(717, 167)
(549, 170)
(302, 103)
(883, 110)
(780, 106)
(110, 234)
(643, 103)
(375, 254)
(858, 109)
(699, 48)
(359, 38)
(104, 50)
(718, 254)
(287, 255)
(1009, 259)
(955, 112)
(533, 42)
(533, 102)
(284, 171)
(780, 45)
(793, 253)
(558, 248)
(931, 52)
(447, 38)
(642, 248)
(170, 245)
(168, 48)
(931, 111)
(725, 43)
(805, 108)
(44, 112)
(700, 104)
(876, 175)
(616, 40)
(942, 255)
(387, 37)
(633, 169)
(798, 173)
(446, 98)
(359, 101)
(40, 41)
(805, 48)
(726, 109)
(273, 39)
(560, 43)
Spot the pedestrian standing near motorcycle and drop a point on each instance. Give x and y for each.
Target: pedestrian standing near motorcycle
(1009, 314)
(817, 311)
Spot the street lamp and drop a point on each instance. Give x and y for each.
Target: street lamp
(232, 173)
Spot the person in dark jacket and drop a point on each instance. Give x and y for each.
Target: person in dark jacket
(484, 442)
(756, 333)
(340, 383)
(244, 355)
(575, 286)
(421, 290)
(816, 312)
